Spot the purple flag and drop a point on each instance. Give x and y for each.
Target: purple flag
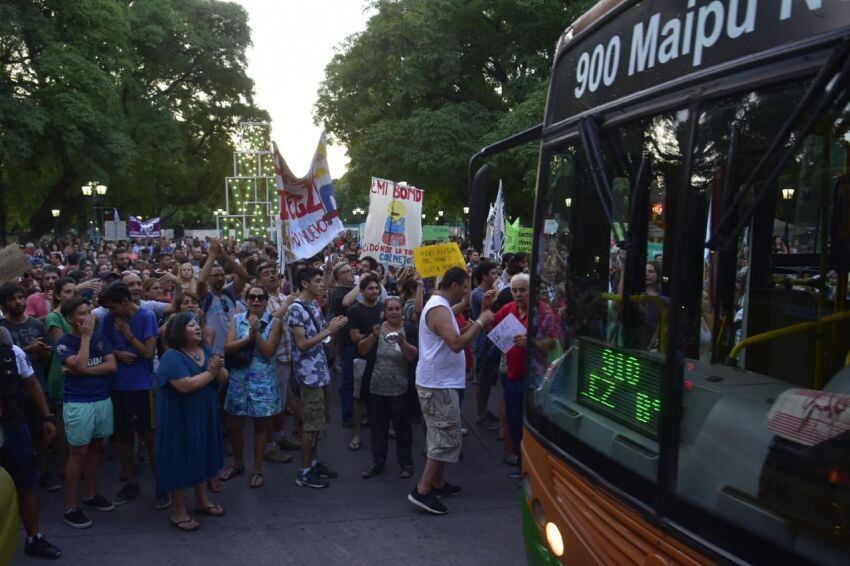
(147, 229)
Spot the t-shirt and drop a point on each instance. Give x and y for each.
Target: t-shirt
(364, 318)
(54, 375)
(37, 305)
(137, 376)
(25, 334)
(84, 388)
(311, 367)
(284, 353)
(390, 374)
(13, 394)
(338, 309)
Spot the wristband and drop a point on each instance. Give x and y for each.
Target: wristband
(478, 322)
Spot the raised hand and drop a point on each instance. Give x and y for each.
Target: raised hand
(337, 323)
(488, 299)
(87, 327)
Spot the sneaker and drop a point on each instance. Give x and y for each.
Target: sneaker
(428, 502)
(487, 424)
(491, 416)
(162, 501)
(98, 503)
(287, 444)
(311, 479)
(324, 472)
(464, 431)
(516, 474)
(40, 547)
(372, 471)
(76, 518)
(127, 494)
(447, 490)
(49, 482)
(275, 456)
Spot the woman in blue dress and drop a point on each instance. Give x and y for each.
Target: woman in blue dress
(188, 430)
(254, 390)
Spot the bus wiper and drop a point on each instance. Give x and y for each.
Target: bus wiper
(589, 130)
(838, 60)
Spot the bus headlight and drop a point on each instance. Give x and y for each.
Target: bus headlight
(553, 537)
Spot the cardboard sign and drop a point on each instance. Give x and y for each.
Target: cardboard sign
(435, 233)
(13, 264)
(518, 238)
(434, 261)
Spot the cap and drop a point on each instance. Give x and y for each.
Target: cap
(36, 262)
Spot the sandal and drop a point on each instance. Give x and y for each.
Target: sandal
(186, 525)
(354, 445)
(214, 485)
(231, 472)
(257, 480)
(213, 510)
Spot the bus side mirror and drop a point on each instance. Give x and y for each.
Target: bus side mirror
(478, 206)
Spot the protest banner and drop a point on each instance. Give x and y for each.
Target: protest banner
(144, 229)
(518, 238)
(434, 261)
(307, 205)
(394, 223)
(435, 233)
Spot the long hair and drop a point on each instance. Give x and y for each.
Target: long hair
(175, 329)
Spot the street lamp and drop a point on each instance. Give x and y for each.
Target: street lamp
(439, 213)
(94, 190)
(55, 212)
(568, 201)
(466, 210)
(787, 196)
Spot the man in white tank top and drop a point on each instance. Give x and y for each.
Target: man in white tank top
(440, 373)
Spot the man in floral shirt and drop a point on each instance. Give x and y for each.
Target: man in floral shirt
(311, 372)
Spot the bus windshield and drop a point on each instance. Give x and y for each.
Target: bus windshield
(762, 329)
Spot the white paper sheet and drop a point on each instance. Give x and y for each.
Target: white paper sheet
(504, 332)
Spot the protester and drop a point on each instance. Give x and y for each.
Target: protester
(218, 298)
(486, 355)
(391, 345)
(440, 373)
(16, 450)
(188, 446)
(342, 297)
(362, 317)
(312, 373)
(253, 390)
(132, 331)
(90, 369)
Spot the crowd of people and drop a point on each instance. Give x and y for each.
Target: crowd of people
(170, 347)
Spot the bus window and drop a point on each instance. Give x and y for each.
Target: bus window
(599, 377)
(764, 443)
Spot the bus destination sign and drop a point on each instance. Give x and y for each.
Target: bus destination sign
(624, 385)
(652, 43)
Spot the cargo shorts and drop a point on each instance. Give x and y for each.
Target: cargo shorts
(441, 409)
(315, 408)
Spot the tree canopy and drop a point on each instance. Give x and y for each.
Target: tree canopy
(430, 82)
(144, 97)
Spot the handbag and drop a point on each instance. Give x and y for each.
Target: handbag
(242, 358)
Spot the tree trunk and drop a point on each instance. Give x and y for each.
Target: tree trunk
(41, 220)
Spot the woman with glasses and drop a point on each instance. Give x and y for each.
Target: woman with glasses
(253, 390)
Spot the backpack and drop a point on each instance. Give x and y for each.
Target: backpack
(207, 301)
(11, 394)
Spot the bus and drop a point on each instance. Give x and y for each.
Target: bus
(691, 403)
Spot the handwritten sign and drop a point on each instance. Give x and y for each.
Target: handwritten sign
(394, 224)
(504, 333)
(434, 261)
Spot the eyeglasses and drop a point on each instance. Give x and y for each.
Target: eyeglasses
(253, 297)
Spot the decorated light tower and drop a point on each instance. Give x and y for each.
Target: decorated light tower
(251, 202)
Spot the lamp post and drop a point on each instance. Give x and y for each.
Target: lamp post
(787, 196)
(466, 221)
(93, 189)
(55, 212)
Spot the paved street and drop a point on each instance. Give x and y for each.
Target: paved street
(355, 521)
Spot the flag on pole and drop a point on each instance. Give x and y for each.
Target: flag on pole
(117, 218)
(307, 205)
(496, 242)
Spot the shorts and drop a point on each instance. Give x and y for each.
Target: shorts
(315, 408)
(441, 409)
(133, 411)
(486, 371)
(85, 421)
(359, 371)
(17, 456)
(284, 371)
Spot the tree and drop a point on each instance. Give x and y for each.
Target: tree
(429, 82)
(142, 96)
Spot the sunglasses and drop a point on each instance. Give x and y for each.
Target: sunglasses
(253, 297)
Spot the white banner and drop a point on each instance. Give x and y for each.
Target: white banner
(307, 205)
(394, 224)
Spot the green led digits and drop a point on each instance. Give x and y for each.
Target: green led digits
(623, 384)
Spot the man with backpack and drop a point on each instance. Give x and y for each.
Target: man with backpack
(16, 450)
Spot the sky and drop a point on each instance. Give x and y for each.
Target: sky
(293, 41)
